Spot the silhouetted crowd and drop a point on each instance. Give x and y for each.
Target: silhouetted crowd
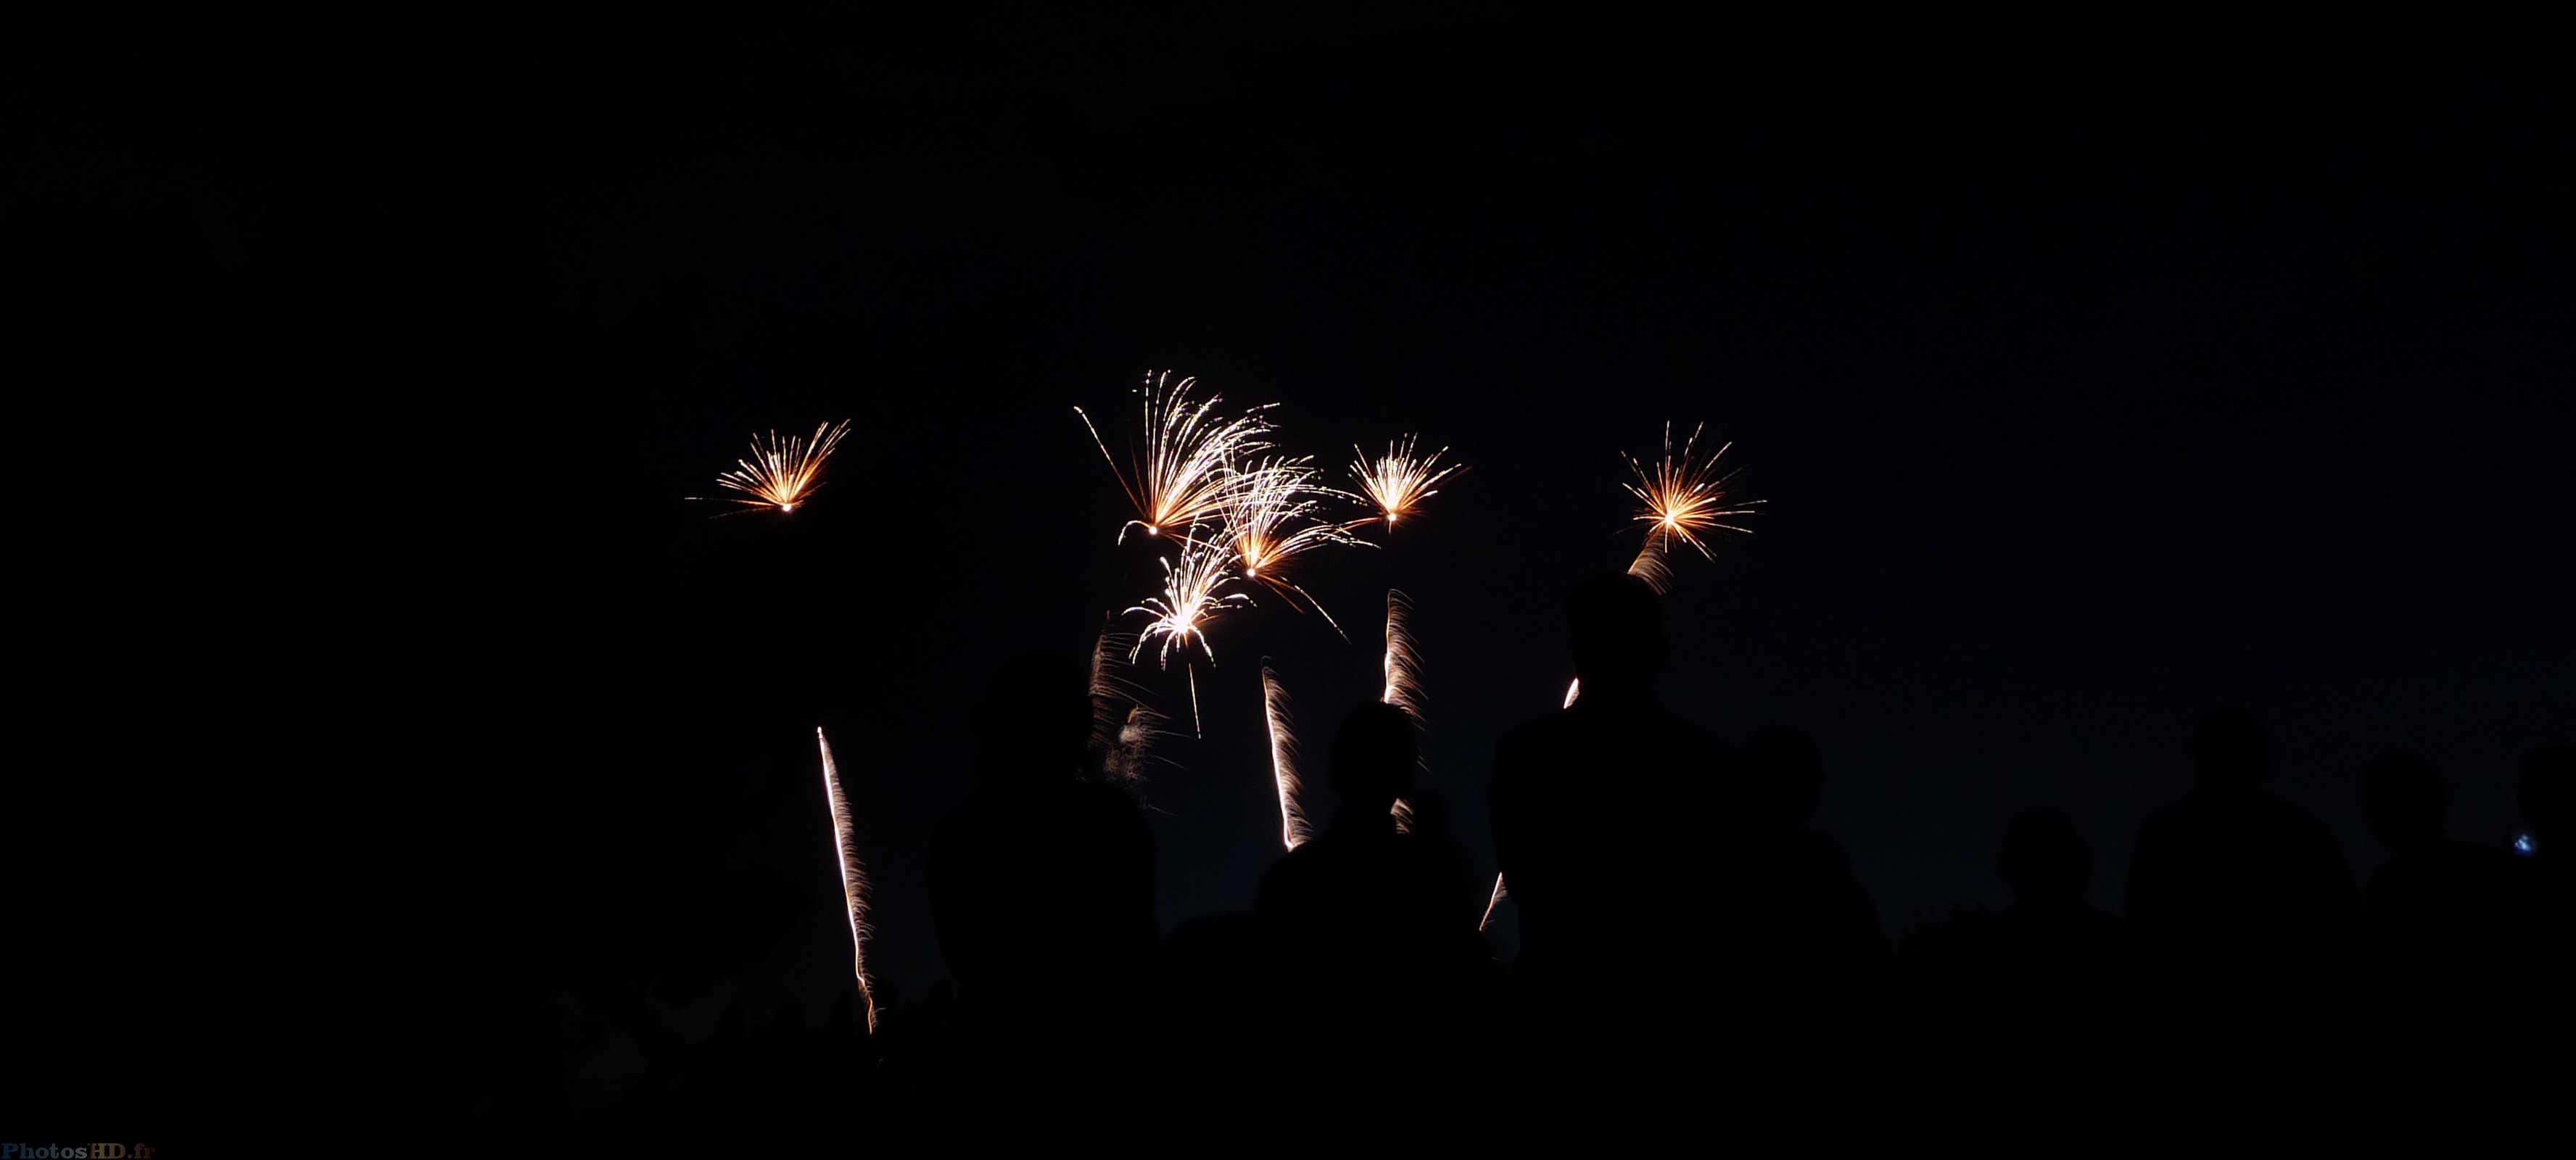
(1693, 952)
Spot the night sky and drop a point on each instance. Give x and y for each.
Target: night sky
(2098, 372)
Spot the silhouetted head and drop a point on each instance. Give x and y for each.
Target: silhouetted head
(1036, 722)
(2406, 804)
(1373, 758)
(1784, 776)
(2044, 859)
(1618, 632)
(2548, 785)
(2230, 750)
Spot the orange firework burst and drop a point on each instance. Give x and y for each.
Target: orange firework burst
(1184, 472)
(854, 877)
(1399, 481)
(1271, 518)
(784, 472)
(1189, 600)
(1683, 496)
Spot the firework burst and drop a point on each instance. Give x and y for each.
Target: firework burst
(1293, 830)
(1682, 497)
(1272, 518)
(781, 473)
(854, 877)
(1399, 481)
(1188, 601)
(1184, 473)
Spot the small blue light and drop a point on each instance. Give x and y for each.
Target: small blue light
(2522, 843)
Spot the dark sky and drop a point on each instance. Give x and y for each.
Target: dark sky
(2098, 371)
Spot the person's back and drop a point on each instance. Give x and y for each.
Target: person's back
(2231, 871)
(2435, 903)
(1602, 817)
(1374, 930)
(2050, 934)
(1041, 884)
(1788, 904)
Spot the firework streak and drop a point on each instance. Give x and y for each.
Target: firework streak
(1293, 830)
(854, 877)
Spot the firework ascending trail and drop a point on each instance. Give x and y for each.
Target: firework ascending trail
(1185, 472)
(1403, 678)
(1190, 599)
(1262, 523)
(1403, 681)
(1573, 689)
(1682, 497)
(1491, 902)
(1122, 727)
(854, 877)
(1399, 481)
(782, 473)
(1293, 831)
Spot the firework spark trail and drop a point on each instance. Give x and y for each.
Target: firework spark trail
(1683, 496)
(1490, 903)
(1650, 565)
(1189, 600)
(1403, 675)
(782, 474)
(1399, 481)
(1185, 473)
(1573, 689)
(1293, 830)
(1403, 681)
(1123, 729)
(1272, 517)
(854, 877)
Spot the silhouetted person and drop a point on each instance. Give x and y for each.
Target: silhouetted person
(1606, 819)
(2033, 1000)
(2434, 898)
(2547, 797)
(2231, 871)
(2244, 909)
(2049, 928)
(1375, 930)
(1041, 884)
(1802, 918)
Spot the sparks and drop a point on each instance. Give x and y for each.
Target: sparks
(1683, 497)
(1189, 600)
(1492, 901)
(1293, 830)
(1271, 518)
(1399, 481)
(854, 877)
(1185, 474)
(1123, 729)
(1403, 681)
(1403, 677)
(783, 473)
